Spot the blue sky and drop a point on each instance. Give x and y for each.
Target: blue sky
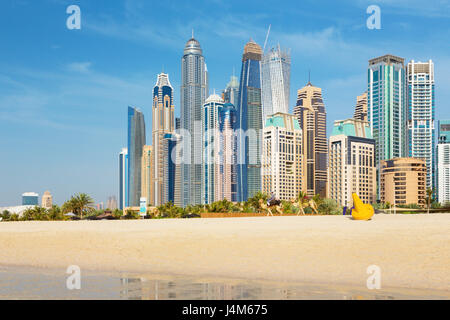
(64, 93)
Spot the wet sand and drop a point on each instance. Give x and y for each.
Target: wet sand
(412, 251)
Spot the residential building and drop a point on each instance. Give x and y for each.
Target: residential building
(30, 199)
(136, 142)
(275, 80)
(312, 117)
(282, 157)
(231, 92)
(421, 115)
(194, 89)
(147, 185)
(123, 179)
(443, 162)
(351, 163)
(361, 108)
(162, 123)
(172, 169)
(47, 200)
(403, 181)
(211, 153)
(386, 99)
(249, 123)
(112, 203)
(228, 152)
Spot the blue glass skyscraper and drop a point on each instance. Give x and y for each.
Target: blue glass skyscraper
(123, 179)
(249, 123)
(136, 142)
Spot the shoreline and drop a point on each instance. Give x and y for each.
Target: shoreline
(413, 251)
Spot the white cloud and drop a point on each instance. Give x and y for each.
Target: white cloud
(80, 67)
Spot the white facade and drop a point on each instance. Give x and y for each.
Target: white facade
(282, 157)
(421, 126)
(275, 80)
(443, 172)
(211, 188)
(351, 167)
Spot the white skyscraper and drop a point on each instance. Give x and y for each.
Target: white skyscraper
(275, 79)
(421, 126)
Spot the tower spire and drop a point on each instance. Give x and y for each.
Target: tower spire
(192, 33)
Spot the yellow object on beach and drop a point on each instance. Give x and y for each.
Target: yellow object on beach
(362, 211)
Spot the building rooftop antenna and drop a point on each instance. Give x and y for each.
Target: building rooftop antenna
(267, 38)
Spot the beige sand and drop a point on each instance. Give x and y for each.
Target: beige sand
(413, 251)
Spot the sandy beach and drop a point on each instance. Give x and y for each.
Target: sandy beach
(413, 251)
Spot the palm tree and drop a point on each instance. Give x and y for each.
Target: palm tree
(429, 197)
(81, 202)
(302, 201)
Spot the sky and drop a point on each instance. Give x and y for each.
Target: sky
(64, 93)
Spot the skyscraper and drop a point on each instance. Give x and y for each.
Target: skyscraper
(162, 123)
(147, 185)
(421, 110)
(386, 100)
(249, 123)
(47, 200)
(30, 199)
(112, 203)
(443, 162)
(282, 157)
(228, 152)
(194, 88)
(231, 92)
(136, 142)
(361, 108)
(311, 114)
(275, 79)
(123, 179)
(171, 176)
(351, 165)
(211, 186)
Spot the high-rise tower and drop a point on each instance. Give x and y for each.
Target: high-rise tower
(249, 123)
(421, 126)
(228, 152)
(211, 186)
(136, 142)
(163, 122)
(386, 99)
(275, 80)
(361, 108)
(231, 92)
(194, 88)
(311, 114)
(123, 179)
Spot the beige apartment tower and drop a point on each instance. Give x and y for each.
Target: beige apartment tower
(147, 175)
(403, 181)
(162, 122)
(361, 108)
(47, 200)
(312, 117)
(282, 157)
(351, 166)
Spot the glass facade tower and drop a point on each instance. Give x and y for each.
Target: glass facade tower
(249, 123)
(386, 99)
(136, 142)
(194, 88)
(275, 79)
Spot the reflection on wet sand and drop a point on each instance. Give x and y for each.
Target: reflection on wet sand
(46, 284)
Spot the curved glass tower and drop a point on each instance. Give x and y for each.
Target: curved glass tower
(249, 123)
(194, 88)
(275, 79)
(136, 142)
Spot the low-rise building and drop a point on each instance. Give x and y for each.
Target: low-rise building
(403, 181)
